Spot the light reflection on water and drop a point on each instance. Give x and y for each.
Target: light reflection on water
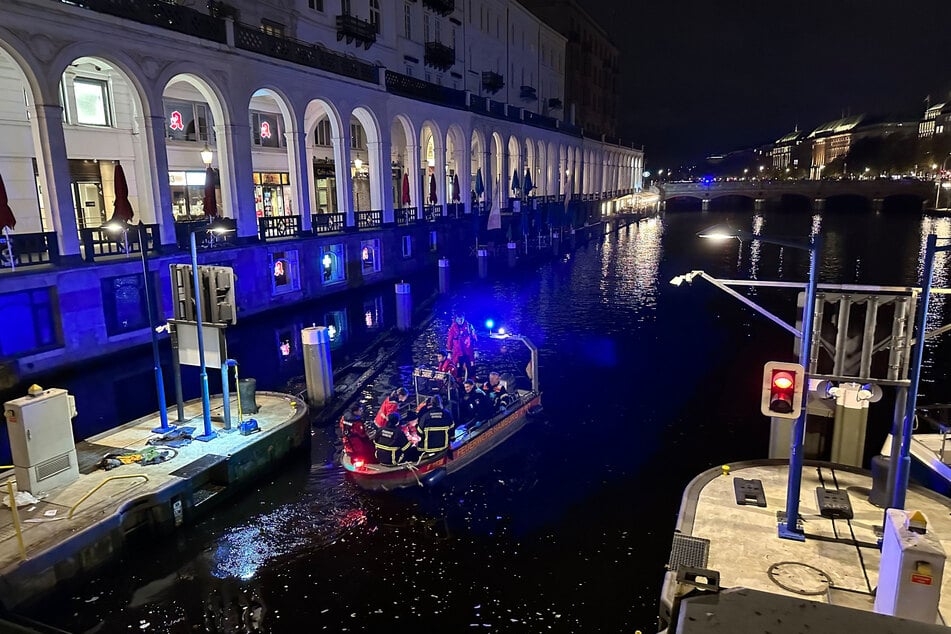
(567, 526)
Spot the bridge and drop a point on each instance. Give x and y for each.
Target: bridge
(814, 192)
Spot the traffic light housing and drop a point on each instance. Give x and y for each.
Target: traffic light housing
(783, 384)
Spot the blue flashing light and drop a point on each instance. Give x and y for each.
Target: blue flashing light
(490, 324)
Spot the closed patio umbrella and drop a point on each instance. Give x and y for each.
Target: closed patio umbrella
(7, 222)
(210, 201)
(479, 185)
(406, 198)
(515, 180)
(527, 182)
(456, 197)
(432, 190)
(123, 209)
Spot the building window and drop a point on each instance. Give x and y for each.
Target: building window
(267, 129)
(92, 101)
(407, 242)
(322, 134)
(438, 34)
(345, 7)
(29, 322)
(375, 14)
(187, 121)
(370, 256)
(407, 22)
(356, 137)
(275, 29)
(123, 304)
(316, 5)
(188, 195)
(333, 264)
(409, 70)
(272, 195)
(426, 29)
(285, 274)
(433, 241)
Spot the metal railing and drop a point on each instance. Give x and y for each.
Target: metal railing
(100, 485)
(353, 28)
(328, 223)
(204, 239)
(455, 210)
(404, 215)
(98, 241)
(159, 13)
(29, 249)
(369, 219)
(432, 212)
(273, 227)
(442, 7)
(254, 40)
(406, 86)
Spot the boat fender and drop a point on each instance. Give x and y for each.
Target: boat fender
(435, 477)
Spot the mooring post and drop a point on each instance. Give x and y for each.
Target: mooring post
(318, 371)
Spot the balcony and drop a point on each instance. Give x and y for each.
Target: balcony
(555, 104)
(356, 30)
(414, 88)
(439, 56)
(160, 14)
(442, 7)
(527, 93)
(492, 82)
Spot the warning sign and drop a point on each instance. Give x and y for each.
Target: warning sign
(922, 579)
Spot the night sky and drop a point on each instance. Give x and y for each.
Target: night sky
(699, 78)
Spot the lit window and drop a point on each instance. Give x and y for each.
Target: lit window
(275, 29)
(284, 272)
(370, 256)
(333, 264)
(407, 246)
(267, 130)
(92, 99)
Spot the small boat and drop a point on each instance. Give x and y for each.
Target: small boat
(469, 443)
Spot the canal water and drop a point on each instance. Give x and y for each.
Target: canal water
(567, 527)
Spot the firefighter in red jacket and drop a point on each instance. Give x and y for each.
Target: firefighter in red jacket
(355, 431)
(459, 344)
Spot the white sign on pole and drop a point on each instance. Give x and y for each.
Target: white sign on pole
(215, 353)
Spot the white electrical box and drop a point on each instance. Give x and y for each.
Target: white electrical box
(910, 573)
(41, 440)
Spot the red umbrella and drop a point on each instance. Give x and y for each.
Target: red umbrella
(209, 202)
(123, 210)
(455, 189)
(6, 214)
(432, 190)
(406, 198)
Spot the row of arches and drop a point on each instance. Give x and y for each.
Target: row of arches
(271, 153)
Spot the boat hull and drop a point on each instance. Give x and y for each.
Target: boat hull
(386, 478)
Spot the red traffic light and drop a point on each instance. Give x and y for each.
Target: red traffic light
(782, 389)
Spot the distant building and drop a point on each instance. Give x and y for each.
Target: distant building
(591, 61)
(786, 149)
(830, 141)
(937, 120)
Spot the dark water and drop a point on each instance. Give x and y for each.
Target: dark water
(567, 527)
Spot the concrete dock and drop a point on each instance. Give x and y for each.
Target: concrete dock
(158, 498)
(837, 564)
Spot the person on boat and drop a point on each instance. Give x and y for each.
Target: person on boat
(459, 344)
(357, 434)
(396, 402)
(392, 444)
(434, 426)
(444, 364)
(494, 388)
(475, 404)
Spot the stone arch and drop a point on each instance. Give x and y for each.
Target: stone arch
(328, 159)
(497, 169)
(404, 149)
(541, 169)
(432, 164)
(276, 176)
(455, 158)
(477, 164)
(513, 171)
(563, 173)
(367, 179)
(529, 169)
(554, 173)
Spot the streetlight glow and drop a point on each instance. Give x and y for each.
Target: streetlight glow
(206, 155)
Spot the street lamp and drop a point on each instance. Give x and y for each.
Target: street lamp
(903, 464)
(116, 225)
(206, 155)
(790, 529)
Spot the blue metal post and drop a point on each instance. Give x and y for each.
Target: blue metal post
(205, 400)
(790, 529)
(159, 380)
(903, 462)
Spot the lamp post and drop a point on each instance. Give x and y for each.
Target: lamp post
(790, 529)
(119, 225)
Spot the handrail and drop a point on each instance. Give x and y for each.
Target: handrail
(99, 486)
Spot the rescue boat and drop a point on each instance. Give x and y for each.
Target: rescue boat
(469, 443)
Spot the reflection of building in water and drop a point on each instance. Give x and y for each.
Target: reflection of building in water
(337, 331)
(373, 313)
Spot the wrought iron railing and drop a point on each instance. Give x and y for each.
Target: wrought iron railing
(539, 120)
(29, 249)
(158, 13)
(98, 241)
(404, 215)
(328, 223)
(275, 227)
(369, 219)
(418, 89)
(254, 40)
(455, 210)
(204, 239)
(439, 56)
(492, 81)
(432, 212)
(569, 128)
(353, 28)
(442, 7)
(513, 113)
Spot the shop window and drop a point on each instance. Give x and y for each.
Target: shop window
(285, 273)
(188, 195)
(272, 196)
(333, 264)
(187, 121)
(30, 322)
(370, 256)
(267, 129)
(124, 303)
(91, 101)
(433, 241)
(407, 242)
